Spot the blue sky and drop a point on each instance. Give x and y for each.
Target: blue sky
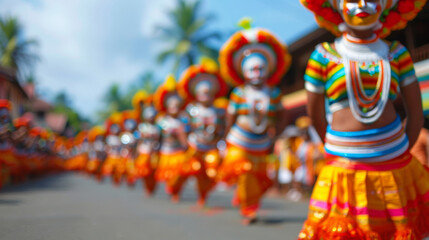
(86, 45)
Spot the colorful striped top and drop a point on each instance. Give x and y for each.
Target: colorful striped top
(325, 72)
(238, 103)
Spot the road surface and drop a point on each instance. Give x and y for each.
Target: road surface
(73, 206)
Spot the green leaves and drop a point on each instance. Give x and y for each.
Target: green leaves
(186, 36)
(15, 50)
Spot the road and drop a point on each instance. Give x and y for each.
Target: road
(73, 206)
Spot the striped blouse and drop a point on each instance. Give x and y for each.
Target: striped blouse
(325, 72)
(239, 106)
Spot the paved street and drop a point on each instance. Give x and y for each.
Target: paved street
(71, 206)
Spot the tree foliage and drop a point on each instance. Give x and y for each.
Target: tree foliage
(187, 35)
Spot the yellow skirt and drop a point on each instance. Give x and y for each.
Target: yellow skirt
(353, 200)
(146, 164)
(170, 165)
(199, 161)
(238, 161)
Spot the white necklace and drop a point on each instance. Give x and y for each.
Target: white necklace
(369, 53)
(252, 96)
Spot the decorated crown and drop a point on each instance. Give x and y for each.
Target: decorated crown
(395, 16)
(253, 40)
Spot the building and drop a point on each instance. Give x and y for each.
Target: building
(11, 89)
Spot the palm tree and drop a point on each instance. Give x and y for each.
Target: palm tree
(15, 50)
(187, 35)
(114, 101)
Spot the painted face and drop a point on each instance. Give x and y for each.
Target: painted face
(203, 93)
(130, 124)
(361, 14)
(173, 105)
(255, 69)
(149, 113)
(114, 129)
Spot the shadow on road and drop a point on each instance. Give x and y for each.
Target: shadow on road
(280, 220)
(9, 202)
(47, 183)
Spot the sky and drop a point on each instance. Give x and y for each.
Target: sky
(86, 45)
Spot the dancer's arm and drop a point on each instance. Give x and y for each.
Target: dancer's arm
(413, 106)
(316, 111)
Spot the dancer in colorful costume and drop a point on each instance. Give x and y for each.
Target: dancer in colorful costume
(254, 61)
(201, 85)
(174, 128)
(81, 149)
(148, 146)
(129, 142)
(9, 166)
(113, 146)
(96, 156)
(371, 187)
(21, 141)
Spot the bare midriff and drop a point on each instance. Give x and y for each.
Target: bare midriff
(243, 123)
(343, 120)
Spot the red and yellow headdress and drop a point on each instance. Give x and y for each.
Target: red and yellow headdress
(115, 118)
(168, 89)
(36, 131)
(206, 71)
(80, 137)
(395, 16)
(248, 41)
(139, 98)
(128, 114)
(22, 122)
(4, 103)
(94, 132)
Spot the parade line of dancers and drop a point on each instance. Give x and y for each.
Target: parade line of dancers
(366, 184)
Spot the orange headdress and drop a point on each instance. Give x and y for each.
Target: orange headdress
(128, 114)
(168, 89)
(22, 122)
(115, 118)
(80, 137)
(4, 103)
(395, 16)
(94, 132)
(246, 42)
(206, 71)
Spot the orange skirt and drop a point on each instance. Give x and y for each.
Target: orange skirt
(354, 200)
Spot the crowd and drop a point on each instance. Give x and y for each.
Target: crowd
(28, 151)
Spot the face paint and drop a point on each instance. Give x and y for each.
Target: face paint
(114, 129)
(203, 93)
(255, 69)
(173, 105)
(130, 124)
(149, 113)
(361, 14)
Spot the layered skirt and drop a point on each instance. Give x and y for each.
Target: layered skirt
(374, 190)
(245, 164)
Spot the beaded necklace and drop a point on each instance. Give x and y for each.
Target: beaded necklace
(365, 108)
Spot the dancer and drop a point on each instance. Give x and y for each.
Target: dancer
(201, 85)
(148, 146)
(174, 128)
(128, 150)
(8, 165)
(371, 187)
(96, 154)
(113, 145)
(254, 61)
(21, 142)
